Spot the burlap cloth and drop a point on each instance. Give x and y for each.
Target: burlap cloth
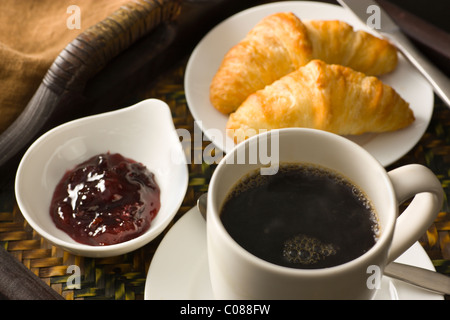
(32, 34)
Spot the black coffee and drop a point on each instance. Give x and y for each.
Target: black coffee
(302, 217)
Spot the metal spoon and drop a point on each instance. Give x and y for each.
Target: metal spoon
(201, 204)
(419, 277)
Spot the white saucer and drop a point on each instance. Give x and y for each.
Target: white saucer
(179, 269)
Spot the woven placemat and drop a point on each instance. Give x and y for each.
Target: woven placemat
(123, 277)
(120, 277)
(433, 151)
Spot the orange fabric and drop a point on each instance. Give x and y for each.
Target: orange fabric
(32, 34)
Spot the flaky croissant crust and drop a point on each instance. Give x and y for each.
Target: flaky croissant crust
(275, 47)
(327, 97)
(281, 43)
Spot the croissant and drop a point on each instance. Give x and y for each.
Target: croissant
(281, 43)
(335, 42)
(275, 47)
(322, 96)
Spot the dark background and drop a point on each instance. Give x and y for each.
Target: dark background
(436, 12)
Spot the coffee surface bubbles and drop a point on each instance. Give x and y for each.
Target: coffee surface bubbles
(304, 217)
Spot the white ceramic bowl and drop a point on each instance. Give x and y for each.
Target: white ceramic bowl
(144, 132)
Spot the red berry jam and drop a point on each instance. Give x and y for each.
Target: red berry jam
(105, 200)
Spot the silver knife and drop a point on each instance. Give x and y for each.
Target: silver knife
(367, 11)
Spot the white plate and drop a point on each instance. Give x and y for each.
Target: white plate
(179, 269)
(207, 56)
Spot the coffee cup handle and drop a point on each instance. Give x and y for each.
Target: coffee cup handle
(419, 182)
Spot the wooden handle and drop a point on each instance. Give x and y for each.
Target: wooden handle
(419, 30)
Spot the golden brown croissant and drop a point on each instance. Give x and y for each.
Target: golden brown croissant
(281, 43)
(276, 46)
(322, 96)
(335, 42)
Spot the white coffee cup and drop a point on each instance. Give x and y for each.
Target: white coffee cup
(237, 274)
